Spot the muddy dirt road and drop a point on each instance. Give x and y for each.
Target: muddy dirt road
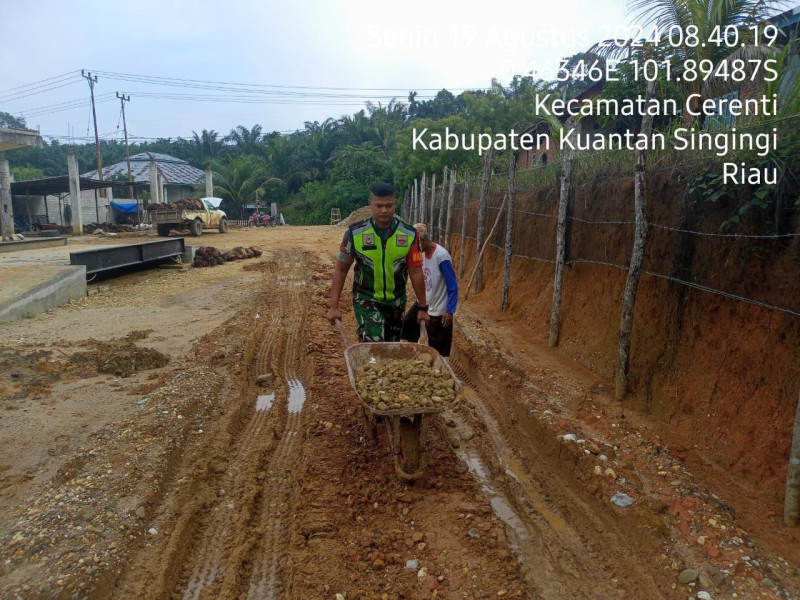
(243, 467)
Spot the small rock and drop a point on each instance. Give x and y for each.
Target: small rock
(467, 435)
(687, 576)
(569, 437)
(716, 576)
(602, 458)
(473, 533)
(152, 531)
(622, 500)
(339, 597)
(412, 564)
(142, 401)
(265, 379)
(141, 513)
(422, 573)
(703, 596)
(461, 468)
(417, 537)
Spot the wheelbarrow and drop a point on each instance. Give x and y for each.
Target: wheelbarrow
(406, 426)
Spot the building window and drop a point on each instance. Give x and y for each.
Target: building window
(544, 158)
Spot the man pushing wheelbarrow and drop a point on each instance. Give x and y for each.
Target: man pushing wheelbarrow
(386, 254)
(399, 383)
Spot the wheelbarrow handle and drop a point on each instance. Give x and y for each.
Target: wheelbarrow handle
(340, 326)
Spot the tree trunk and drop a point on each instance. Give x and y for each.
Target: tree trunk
(561, 238)
(464, 197)
(509, 231)
(442, 208)
(637, 256)
(449, 221)
(487, 165)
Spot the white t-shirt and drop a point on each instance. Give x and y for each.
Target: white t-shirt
(435, 285)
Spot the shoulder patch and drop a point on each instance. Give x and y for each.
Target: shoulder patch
(360, 226)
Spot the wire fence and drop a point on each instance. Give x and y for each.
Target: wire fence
(685, 244)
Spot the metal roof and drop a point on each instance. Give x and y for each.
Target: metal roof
(174, 170)
(54, 185)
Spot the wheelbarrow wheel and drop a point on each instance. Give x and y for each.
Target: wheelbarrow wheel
(410, 454)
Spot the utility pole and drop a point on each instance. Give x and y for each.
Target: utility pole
(92, 80)
(122, 100)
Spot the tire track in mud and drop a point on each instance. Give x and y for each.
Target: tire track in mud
(551, 544)
(208, 559)
(241, 547)
(270, 556)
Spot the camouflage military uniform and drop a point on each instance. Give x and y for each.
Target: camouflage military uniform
(379, 284)
(378, 321)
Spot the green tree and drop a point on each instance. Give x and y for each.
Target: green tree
(707, 18)
(239, 180)
(7, 120)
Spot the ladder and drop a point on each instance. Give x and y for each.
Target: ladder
(336, 215)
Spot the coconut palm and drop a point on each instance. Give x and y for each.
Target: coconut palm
(711, 18)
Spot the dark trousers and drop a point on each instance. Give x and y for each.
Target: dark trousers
(440, 338)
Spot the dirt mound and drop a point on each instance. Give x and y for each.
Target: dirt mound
(24, 374)
(357, 215)
(208, 256)
(122, 357)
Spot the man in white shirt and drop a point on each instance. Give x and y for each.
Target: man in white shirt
(441, 291)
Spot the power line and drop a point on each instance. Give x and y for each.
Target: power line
(157, 80)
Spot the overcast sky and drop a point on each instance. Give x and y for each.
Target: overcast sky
(305, 46)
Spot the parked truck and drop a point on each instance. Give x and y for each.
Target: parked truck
(192, 214)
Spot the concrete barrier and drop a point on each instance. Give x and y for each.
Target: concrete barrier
(68, 284)
(32, 244)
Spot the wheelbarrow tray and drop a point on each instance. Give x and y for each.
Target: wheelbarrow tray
(359, 354)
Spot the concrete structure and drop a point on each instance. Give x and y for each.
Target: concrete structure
(33, 243)
(43, 201)
(56, 286)
(209, 183)
(11, 139)
(75, 193)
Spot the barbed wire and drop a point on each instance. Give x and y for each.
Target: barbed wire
(691, 284)
(770, 236)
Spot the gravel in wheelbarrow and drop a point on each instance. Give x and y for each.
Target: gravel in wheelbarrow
(401, 378)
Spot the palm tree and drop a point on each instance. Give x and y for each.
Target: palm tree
(247, 141)
(207, 146)
(239, 180)
(709, 18)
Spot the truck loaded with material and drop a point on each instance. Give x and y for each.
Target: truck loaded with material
(188, 213)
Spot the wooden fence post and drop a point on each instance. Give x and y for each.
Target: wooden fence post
(561, 240)
(449, 221)
(483, 248)
(415, 198)
(464, 197)
(442, 208)
(487, 165)
(433, 203)
(791, 506)
(509, 231)
(423, 193)
(637, 256)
